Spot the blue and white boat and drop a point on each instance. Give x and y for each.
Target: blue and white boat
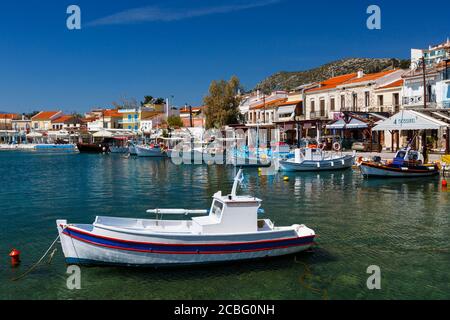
(229, 231)
(154, 151)
(315, 159)
(53, 147)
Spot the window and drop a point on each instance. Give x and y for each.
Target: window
(322, 108)
(355, 101)
(380, 100)
(129, 117)
(367, 98)
(217, 209)
(313, 106)
(342, 102)
(332, 104)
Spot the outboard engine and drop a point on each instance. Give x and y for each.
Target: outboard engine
(376, 159)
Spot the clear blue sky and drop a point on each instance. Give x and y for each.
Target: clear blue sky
(171, 47)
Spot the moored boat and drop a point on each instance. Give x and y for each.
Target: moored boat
(406, 163)
(149, 151)
(315, 159)
(92, 147)
(230, 231)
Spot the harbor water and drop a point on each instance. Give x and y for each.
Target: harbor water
(402, 226)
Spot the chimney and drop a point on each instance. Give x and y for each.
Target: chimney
(360, 73)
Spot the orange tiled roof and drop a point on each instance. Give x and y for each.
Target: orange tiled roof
(10, 116)
(194, 109)
(398, 83)
(62, 119)
(268, 104)
(112, 113)
(371, 76)
(333, 82)
(44, 115)
(290, 103)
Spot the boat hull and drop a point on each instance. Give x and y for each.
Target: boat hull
(378, 170)
(324, 165)
(119, 149)
(93, 247)
(92, 148)
(149, 152)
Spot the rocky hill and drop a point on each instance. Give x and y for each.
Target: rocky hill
(290, 80)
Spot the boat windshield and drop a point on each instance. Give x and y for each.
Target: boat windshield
(217, 208)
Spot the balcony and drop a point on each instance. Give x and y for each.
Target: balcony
(318, 115)
(414, 101)
(129, 121)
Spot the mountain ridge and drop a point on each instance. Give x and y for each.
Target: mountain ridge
(289, 80)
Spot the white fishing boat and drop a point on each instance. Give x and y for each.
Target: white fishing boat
(229, 231)
(154, 151)
(132, 149)
(315, 159)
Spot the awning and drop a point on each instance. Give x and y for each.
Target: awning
(410, 120)
(353, 124)
(34, 135)
(287, 109)
(103, 134)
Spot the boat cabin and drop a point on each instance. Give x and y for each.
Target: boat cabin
(408, 155)
(229, 214)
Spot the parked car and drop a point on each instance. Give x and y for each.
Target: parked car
(366, 146)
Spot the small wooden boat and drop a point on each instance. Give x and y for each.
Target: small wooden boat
(315, 159)
(92, 147)
(229, 231)
(406, 163)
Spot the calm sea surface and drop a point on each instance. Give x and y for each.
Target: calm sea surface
(400, 225)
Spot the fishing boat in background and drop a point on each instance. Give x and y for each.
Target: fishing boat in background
(93, 147)
(406, 163)
(229, 231)
(315, 159)
(55, 147)
(119, 145)
(153, 150)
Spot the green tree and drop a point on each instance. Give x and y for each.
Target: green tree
(174, 121)
(223, 103)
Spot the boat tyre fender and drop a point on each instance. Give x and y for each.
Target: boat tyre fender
(336, 146)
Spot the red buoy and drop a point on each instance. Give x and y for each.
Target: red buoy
(444, 183)
(15, 257)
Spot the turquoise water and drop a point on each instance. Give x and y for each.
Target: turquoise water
(400, 225)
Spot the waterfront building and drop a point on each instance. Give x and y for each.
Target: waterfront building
(43, 120)
(193, 116)
(151, 121)
(437, 83)
(7, 119)
(21, 124)
(144, 118)
(260, 110)
(434, 55)
(355, 92)
(69, 123)
(288, 114)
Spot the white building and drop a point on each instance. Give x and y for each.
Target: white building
(436, 85)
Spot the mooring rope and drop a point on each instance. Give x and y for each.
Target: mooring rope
(308, 274)
(38, 262)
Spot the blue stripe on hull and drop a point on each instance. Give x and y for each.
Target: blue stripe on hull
(186, 249)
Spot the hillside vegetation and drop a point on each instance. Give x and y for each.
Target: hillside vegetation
(291, 80)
